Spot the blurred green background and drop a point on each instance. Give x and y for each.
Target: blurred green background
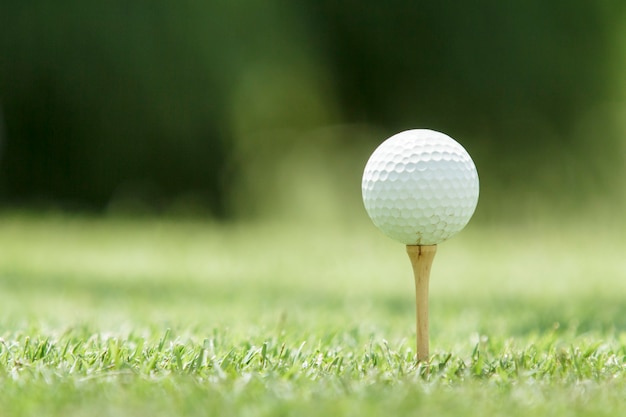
(269, 108)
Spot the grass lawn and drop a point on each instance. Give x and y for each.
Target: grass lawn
(113, 317)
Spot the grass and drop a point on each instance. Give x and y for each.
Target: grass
(106, 317)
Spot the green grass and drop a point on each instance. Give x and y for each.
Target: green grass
(160, 317)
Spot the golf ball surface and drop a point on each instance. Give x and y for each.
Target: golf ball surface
(420, 187)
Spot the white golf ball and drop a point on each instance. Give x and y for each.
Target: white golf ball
(420, 187)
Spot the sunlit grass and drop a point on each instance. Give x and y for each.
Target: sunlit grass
(164, 317)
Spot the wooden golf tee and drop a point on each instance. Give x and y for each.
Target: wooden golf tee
(421, 259)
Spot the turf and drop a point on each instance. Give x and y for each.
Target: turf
(106, 317)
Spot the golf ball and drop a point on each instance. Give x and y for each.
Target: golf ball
(420, 187)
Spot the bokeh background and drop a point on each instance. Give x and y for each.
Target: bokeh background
(248, 109)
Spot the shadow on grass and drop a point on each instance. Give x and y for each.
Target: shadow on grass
(165, 290)
(515, 315)
(70, 286)
(523, 315)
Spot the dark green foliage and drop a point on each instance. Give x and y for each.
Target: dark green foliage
(111, 98)
(155, 101)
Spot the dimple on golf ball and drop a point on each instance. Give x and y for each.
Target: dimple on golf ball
(420, 187)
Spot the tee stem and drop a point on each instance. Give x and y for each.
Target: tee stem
(421, 259)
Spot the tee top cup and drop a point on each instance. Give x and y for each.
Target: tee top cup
(420, 187)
